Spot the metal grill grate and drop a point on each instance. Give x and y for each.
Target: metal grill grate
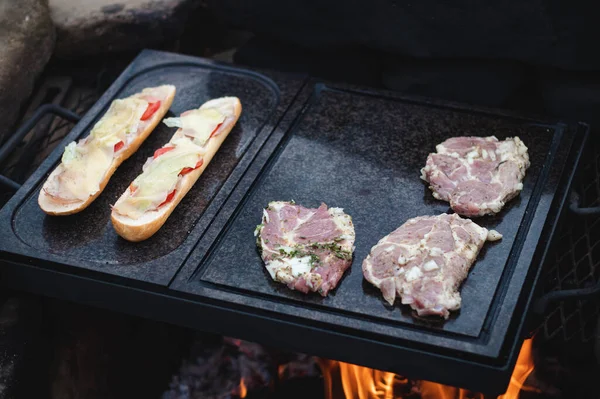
(75, 86)
(79, 102)
(576, 261)
(40, 142)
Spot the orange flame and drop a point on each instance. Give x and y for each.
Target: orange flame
(432, 390)
(281, 371)
(243, 389)
(359, 382)
(523, 368)
(356, 381)
(378, 384)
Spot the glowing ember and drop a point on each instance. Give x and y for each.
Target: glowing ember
(222, 367)
(359, 382)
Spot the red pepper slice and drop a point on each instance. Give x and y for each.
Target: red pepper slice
(185, 171)
(118, 146)
(161, 151)
(169, 198)
(152, 107)
(216, 129)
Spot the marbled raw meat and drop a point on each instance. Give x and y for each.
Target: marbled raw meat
(425, 261)
(477, 175)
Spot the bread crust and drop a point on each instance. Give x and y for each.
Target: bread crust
(54, 208)
(136, 230)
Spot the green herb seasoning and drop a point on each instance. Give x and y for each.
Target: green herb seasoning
(314, 261)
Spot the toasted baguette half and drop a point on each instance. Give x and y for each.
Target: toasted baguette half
(140, 229)
(58, 208)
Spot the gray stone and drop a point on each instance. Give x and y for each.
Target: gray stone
(26, 44)
(103, 26)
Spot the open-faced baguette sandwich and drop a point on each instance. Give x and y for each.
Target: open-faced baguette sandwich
(88, 165)
(172, 171)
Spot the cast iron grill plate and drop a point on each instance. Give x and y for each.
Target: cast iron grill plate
(303, 140)
(87, 239)
(357, 160)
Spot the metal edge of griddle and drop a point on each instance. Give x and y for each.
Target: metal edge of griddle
(522, 320)
(12, 247)
(206, 316)
(532, 319)
(188, 270)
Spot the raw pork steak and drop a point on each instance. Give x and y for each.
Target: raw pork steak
(307, 249)
(477, 175)
(425, 260)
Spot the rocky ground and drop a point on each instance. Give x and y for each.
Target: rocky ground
(26, 43)
(105, 26)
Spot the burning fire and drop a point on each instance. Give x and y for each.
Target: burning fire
(359, 382)
(243, 389)
(523, 368)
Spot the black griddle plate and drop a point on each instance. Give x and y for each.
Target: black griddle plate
(87, 240)
(359, 150)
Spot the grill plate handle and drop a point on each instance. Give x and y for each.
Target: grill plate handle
(542, 303)
(576, 208)
(581, 293)
(18, 136)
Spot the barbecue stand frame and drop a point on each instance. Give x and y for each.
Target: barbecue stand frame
(14, 140)
(544, 301)
(49, 278)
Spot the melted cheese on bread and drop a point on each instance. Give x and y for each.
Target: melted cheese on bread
(152, 220)
(84, 167)
(85, 164)
(159, 178)
(120, 121)
(161, 175)
(197, 124)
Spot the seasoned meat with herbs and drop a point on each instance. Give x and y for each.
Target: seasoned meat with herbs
(306, 249)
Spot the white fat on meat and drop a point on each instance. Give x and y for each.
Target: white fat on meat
(425, 261)
(477, 175)
(306, 249)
